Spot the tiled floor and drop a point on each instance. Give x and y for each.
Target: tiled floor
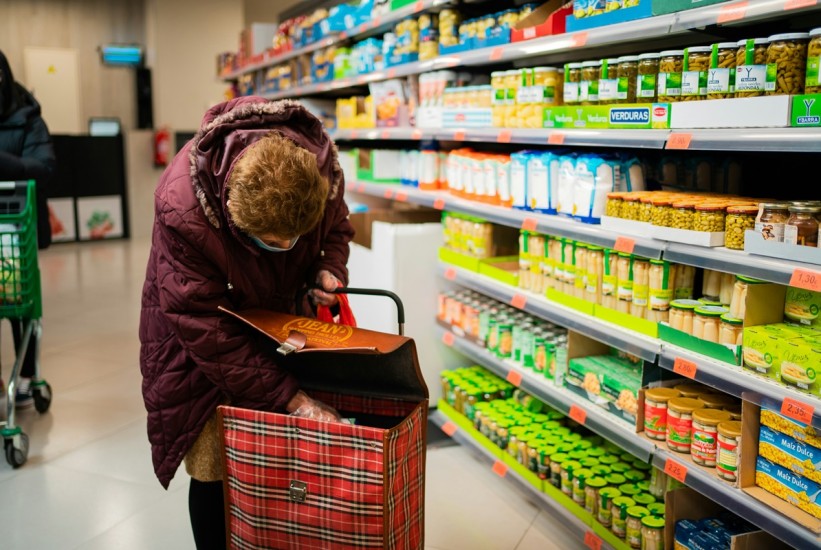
(88, 483)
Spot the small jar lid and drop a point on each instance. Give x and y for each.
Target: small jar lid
(735, 321)
(685, 304)
(671, 53)
(685, 404)
(756, 41)
(652, 522)
(700, 49)
(789, 36)
(711, 311)
(637, 511)
(726, 45)
(572, 66)
(745, 209)
(730, 428)
(628, 59)
(711, 417)
(644, 56)
(661, 395)
(591, 64)
(815, 32)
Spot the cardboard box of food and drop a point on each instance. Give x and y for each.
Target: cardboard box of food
(783, 450)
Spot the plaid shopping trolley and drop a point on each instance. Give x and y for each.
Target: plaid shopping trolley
(298, 483)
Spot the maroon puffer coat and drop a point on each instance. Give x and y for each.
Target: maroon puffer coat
(193, 357)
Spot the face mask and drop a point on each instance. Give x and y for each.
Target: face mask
(270, 248)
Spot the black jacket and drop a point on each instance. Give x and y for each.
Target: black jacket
(26, 151)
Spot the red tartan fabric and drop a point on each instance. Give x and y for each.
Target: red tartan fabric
(344, 467)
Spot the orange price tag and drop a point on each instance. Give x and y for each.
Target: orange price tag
(624, 244)
(401, 196)
(577, 414)
(555, 138)
(518, 301)
(679, 140)
(806, 279)
(676, 470)
(439, 204)
(592, 540)
(391, 73)
(448, 338)
(796, 4)
(504, 136)
(500, 468)
(361, 188)
(449, 428)
(496, 53)
(734, 12)
(685, 368)
(459, 135)
(416, 134)
(450, 274)
(529, 224)
(579, 40)
(797, 410)
(514, 378)
(386, 134)
(388, 193)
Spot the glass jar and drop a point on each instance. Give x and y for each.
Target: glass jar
(694, 73)
(652, 533)
(609, 81)
(655, 411)
(572, 82)
(812, 81)
(731, 330)
(661, 291)
(729, 435)
(739, 219)
(709, 217)
(802, 226)
(589, 84)
(683, 214)
(751, 67)
(624, 291)
(604, 513)
(646, 80)
(628, 72)
(706, 322)
(705, 435)
(787, 63)
(721, 77)
(618, 515)
(592, 494)
(609, 279)
(641, 287)
(681, 315)
(680, 423)
(612, 207)
(662, 212)
(685, 280)
(595, 273)
(671, 63)
(633, 526)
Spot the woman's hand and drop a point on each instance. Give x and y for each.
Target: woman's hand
(328, 282)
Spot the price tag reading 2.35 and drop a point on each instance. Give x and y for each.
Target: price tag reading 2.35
(676, 470)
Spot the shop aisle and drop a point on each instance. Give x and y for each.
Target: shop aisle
(88, 483)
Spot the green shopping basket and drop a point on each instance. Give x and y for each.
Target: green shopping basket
(20, 293)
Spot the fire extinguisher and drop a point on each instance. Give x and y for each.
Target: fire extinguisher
(162, 146)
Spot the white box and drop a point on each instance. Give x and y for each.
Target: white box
(686, 236)
(743, 112)
(755, 244)
(626, 227)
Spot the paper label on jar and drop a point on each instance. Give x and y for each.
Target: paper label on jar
(750, 78)
(571, 92)
(693, 83)
(772, 77)
(718, 81)
(770, 231)
(646, 85)
(608, 89)
(670, 84)
(812, 71)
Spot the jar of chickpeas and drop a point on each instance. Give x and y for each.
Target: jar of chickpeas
(696, 65)
(751, 67)
(721, 77)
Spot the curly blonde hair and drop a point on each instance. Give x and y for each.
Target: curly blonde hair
(275, 188)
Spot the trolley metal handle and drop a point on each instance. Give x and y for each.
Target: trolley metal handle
(400, 308)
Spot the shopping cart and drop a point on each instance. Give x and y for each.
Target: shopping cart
(21, 298)
(294, 482)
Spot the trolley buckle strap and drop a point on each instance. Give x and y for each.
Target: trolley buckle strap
(298, 491)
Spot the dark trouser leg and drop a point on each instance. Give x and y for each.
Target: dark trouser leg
(17, 328)
(207, 511)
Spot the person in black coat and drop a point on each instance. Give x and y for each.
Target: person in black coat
(26, 152)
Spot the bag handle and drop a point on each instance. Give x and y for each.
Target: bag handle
(400, 308)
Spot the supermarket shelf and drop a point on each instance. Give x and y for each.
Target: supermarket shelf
(377, 25)
(734, 499)
(542, 500)
(603, 423)
(551, 225)
(796, 140)
(738, 381)
(773, 270)
(613, 335)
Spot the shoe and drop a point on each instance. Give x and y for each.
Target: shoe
(24, 398)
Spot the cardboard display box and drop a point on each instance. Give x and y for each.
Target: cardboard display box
(630, 116)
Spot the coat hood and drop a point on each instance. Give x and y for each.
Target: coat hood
(229, 128)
